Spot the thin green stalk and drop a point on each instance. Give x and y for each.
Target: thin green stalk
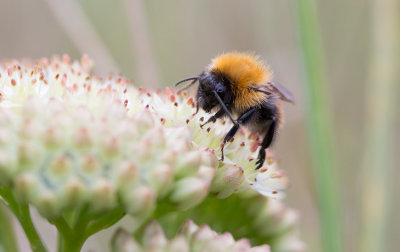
(319, 125)
(23, 215)
(7, 235)
(73, 235)
(380, 108)
(105, 221)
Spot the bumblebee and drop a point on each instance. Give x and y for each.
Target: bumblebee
(239, 86)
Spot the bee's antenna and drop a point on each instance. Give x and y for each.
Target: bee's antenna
(193, 79)
(188, 79)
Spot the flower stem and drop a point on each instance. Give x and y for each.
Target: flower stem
(320, 133)
(21, 211)
(73, 235)
(7, 238)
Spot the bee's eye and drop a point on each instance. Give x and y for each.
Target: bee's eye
(220, 89)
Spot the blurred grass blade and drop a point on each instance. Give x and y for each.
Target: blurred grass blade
(77, 26)
(382, 87)
(319, 125)
(135, 12)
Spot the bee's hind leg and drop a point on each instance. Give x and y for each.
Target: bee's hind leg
(266, 142)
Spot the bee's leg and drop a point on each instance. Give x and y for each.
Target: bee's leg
(266, 142)
(214, 118)
(231, 133)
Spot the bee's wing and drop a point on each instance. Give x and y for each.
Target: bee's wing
(275, 89)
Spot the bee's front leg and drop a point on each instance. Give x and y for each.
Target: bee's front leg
(214, 118)
(232, 132)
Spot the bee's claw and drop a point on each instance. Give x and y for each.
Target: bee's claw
(222, 151)
(259, 163)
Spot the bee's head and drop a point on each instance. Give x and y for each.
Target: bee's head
(209, 84)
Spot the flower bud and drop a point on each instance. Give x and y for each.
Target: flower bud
(27, 187)
(140, 201)
(60, 166)
(74, 192)
(47, 204)
(262, 248)
(220, 242)
(103, 195)
(206, 173)
(127, 174)
(227, 180)
(111, 147)
(178, 244)
(122, 241)
(188, 228)
(29, 153)
(189, 192)
(154, 238)
(204, 233)
(162, 178)
(209, 158)
(8, 166)
(241, 245)
(188, 164)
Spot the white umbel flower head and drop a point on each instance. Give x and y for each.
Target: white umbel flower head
(69, 138)
(190, 237)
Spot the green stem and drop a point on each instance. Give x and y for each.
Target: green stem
(105, 221)
(320, 133)
(73, 235)
(382, 89)
(21, 211)
(7, 235)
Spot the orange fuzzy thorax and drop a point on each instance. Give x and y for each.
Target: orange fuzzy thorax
(243, 69)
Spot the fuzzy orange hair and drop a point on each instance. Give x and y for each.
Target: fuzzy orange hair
(243, 69)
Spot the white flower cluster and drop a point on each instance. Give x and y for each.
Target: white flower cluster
(69, 138)
(190, 237)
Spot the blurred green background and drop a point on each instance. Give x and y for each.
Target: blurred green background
(157, 43)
